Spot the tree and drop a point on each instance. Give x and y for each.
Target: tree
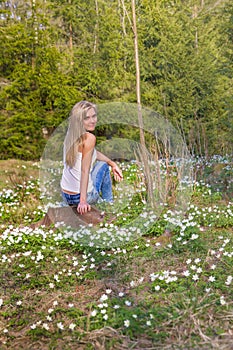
(180, 70)
(55, 52)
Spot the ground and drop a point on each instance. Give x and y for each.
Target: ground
(170, 287)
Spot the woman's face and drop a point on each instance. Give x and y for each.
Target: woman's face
(90, 120)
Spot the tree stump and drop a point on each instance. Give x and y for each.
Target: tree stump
(68, 216)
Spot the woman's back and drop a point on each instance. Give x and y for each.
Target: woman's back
(71, 176)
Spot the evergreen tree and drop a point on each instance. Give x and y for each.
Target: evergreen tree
(54, 53)
(180, 68)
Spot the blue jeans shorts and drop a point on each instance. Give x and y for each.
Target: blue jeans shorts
(102, 183)
(74, 199)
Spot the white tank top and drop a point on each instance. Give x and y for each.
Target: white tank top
(71, 176)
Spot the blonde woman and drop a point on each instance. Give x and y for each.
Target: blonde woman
(86, 177)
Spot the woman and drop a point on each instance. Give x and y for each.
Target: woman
(85, 181)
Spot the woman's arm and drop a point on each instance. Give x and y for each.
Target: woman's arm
(116, 170)
(87, 152)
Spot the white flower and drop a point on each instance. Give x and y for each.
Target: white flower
(39, 256)
(19, 303)
(194, 236)
(121, 294)
(173, 272)
(70, 305)
(148, 323)
(128, 303)
(49, 318)
(60, 325)
(229, 280)
(199, 270)
(93, 313)
(126, 323)
(195, 277)
(45, 326)
(72, 326)
(51, 285)
(103, 297)
(188, 261)
(33, 326)
(211, 279)
(213, 267)
(153, 277)
(116, 306)
(222, 300)
(108, 291)
(5, 330)
(207, 290)
(186, 273)
(50, 310)
(55, 303)
(157, 288)
(105, 317)
(1, 302)
(56, 278)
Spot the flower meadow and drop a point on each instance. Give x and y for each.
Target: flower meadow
(165, 282)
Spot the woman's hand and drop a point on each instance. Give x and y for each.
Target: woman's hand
(117, 172)
(83, 208)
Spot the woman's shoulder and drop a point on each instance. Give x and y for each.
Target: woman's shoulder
(89, 140)
(89, 137)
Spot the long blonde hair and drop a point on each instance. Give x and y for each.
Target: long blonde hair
(76, 130)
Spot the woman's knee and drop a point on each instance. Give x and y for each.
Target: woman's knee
(106, 166)
(101, 166)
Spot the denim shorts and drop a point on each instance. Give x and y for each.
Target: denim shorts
(74, 199)
(102, 187)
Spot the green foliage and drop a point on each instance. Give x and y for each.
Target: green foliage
(54, 53)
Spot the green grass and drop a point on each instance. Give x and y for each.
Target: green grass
(164, 290)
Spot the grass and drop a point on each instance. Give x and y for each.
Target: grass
(166, 289)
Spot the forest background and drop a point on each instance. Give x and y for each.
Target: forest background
(55, 53)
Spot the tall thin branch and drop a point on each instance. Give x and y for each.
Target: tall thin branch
(96, 27)
(71, 41)
(148, 180)
(138, 88)
(127, 14)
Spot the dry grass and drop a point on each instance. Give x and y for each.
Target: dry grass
(14, 171)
